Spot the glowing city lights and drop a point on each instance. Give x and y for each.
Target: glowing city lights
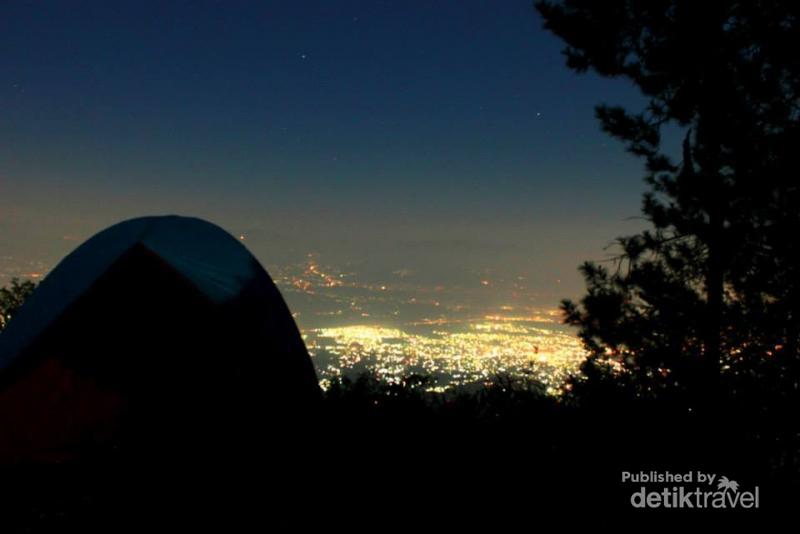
(351, 325)
(473, 354)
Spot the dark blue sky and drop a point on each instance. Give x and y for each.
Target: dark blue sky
(446, 138)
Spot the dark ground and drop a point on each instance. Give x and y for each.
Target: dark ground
(381, 457)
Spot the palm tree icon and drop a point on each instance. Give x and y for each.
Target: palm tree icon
(725, 484)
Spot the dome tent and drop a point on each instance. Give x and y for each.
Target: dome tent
(157, 332)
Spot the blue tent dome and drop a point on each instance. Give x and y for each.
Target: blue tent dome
(171, 317)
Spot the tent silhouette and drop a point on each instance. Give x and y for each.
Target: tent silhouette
(159, 335)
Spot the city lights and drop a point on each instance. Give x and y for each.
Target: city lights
(471, 353)
(351, 325)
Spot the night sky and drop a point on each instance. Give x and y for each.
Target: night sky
(445, 140)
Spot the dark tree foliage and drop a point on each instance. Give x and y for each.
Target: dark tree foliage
(12, 297)
(709, 294)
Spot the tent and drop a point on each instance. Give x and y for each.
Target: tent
(157, 334)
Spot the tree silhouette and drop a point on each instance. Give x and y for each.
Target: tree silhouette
(711, 289)
(12, 297)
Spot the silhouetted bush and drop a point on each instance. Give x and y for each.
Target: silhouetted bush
(12, 297)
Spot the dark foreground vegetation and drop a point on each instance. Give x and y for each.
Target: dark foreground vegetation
(379, 454)
(508, 446)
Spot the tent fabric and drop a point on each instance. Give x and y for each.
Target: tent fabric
(157, 331)
(213, 260)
